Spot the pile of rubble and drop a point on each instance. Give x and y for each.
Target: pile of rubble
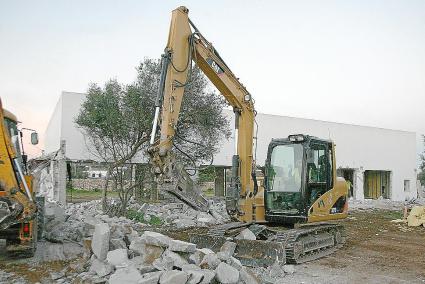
(384, 204)
(180, 215)
(120, 250)
(156, 258)
(72, 224)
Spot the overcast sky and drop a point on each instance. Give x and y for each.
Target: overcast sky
(359, 62)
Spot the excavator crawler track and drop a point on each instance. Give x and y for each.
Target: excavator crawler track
(294, 246)
(306, 244)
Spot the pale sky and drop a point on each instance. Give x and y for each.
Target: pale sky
(357, 62)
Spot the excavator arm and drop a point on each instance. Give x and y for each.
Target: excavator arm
(186, 45)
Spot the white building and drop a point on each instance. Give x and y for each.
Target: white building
(377, 161)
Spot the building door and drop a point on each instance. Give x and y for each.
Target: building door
(376, 184)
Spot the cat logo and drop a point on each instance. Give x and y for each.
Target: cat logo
(214, 65)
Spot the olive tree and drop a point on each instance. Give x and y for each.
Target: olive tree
(117, 119)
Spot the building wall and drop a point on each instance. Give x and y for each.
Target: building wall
(76, 141)
(357, 147)
(53, 131)
(62, 127)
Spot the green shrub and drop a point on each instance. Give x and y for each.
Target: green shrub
(140, 217)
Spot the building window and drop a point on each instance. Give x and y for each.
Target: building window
(93, 175)
(406, 185)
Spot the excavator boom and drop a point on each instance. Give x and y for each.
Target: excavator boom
(187, 44)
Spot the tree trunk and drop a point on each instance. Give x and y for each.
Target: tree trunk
(105, 190)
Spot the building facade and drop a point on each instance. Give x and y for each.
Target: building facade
(379, 163)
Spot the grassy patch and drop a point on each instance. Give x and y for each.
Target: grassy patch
(140, 217)
(84, 194)
(393, 215)
(209, 192)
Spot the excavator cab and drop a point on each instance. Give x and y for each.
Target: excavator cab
(300, 177)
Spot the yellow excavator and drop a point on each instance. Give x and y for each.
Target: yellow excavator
(18, 209)
(300, 187)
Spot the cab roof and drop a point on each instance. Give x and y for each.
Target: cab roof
(9, 115)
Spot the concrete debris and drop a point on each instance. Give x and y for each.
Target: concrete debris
(178, 260)
(246, 235)
(370, 204)
(180, 246)
(155, 239)
(119, 250)
(234, 262)
(129, 275)
(210, 261)
(151, 277)
(248, 277)
(198, 255)
(226, 250)
(180, 215)
(173, 277)
(117, 244)
(118, 258)
(100, 240)
(195, 276)
(227, 274)
(289, 269)
(416, 216)
(100, 268)
(164, 264)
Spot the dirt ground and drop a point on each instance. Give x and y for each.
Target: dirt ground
(377, 251)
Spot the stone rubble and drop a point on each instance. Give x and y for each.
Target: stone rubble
(120, 250)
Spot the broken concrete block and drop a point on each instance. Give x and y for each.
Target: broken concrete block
(188, 267)
(210, 261)
(117, 244)
(100, 268)
(246, 235)
(227, 274)
(184, 223)
(89, 223)
(178, 260)
(209, 275)
(234, 262)
(164, 263)
(198, 255)
(248, 277)
(181, 246)
(118, 257)
(195, 276)
(227, 250)
(147, 268)
(151, 277)
(173, 277)
(148, 252)
(100, 240)
(155, 239)
(129, 275)
(289, 268)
